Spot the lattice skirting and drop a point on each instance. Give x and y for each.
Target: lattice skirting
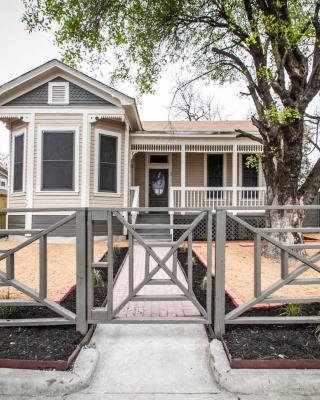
(234, 230)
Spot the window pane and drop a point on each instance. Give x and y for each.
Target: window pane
(18, 149)
(249, 175)
(108, 149)
(57, 175)
(215, 170)
(18, 176)
(158, 159)
(108, 177)
(58, 145)
(18, 163)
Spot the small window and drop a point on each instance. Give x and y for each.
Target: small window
(158, 159)
(58, 93)
(108, 150)
(18, 163)
(58, 151)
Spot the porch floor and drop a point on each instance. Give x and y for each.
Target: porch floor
(151, 308)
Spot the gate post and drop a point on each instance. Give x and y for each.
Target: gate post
(81, 249)
(219, 303)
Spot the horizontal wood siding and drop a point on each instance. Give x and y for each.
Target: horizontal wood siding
(194, 169)
(17, 200)
(176, 169)
(56, 120)
(16, 221)
(69, 229)
(139, 175)
(104, 200)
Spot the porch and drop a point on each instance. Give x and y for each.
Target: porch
(193, 175)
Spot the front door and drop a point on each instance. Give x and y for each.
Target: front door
(158, 188)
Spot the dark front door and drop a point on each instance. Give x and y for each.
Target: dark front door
(158, 188)
(215, 173)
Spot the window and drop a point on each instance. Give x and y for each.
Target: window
(58, 93)
(108, 163)
(158, 159)
(58, 160)
(2, 183)
(18, 152)
(215, 174)
(249, 178)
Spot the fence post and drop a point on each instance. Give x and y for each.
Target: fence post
(81, 248)
(209, 266)
(219, 317)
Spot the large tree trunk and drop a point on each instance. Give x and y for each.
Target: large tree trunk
(281, 164)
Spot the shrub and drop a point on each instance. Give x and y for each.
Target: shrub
(97, 278)
(116, 251)
(6, 311)
(291, 310)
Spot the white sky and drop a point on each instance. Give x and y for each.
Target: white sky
(21, 51)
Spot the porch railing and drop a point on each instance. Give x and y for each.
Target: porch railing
(217, 196)
(134, 201)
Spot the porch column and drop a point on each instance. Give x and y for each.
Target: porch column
(183, 175)
(234, 174)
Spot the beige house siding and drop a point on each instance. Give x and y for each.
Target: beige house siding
(18, 200)
(176, 169)
(195, 169)
(97, 200)
(139, 175)
(56, 120)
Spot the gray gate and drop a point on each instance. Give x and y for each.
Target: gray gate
(109, 314)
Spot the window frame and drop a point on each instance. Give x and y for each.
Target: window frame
(117, 135)
(57, 130)
(15, 134)
(50, 91)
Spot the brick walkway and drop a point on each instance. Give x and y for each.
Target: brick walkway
(151, 308)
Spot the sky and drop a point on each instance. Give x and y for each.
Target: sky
(21, 51)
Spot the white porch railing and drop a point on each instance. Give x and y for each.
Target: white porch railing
(134, 201)
(195, 197)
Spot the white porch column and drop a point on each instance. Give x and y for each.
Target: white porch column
(234, 174)
(183, 175)
(30, 136)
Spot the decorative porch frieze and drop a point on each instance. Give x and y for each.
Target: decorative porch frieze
(96, 117)
(6, 118)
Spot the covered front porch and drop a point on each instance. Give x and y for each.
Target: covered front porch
(195, 175)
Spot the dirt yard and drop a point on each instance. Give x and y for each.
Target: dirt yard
(61, 266)
(239, 272)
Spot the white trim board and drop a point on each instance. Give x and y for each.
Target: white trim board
(97, 133)
(54, 128)
(22, 131)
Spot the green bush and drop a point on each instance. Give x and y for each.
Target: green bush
(291, 310)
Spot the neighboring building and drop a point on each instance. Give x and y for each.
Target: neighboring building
(76, 142)
(3, 180)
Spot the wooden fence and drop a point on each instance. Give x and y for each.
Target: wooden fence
(3, 204)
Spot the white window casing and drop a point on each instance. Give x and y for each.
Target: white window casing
(15, 134)
(117, 135)
(57, 130)
(58, 93)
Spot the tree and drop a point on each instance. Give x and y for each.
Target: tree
(189, 104)
(273, 45)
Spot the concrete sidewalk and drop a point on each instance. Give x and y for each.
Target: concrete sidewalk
(149, 360)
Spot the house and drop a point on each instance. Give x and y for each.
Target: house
(76, 142)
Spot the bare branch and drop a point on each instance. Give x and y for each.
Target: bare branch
(248, 135)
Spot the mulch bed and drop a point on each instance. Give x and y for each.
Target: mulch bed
(260, 342)
(52, 342)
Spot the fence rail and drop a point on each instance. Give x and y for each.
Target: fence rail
(259, 295)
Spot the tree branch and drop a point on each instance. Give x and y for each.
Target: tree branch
(248, 135)
(311, 185)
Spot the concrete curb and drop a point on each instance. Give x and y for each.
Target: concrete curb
(36, 382)
(261, 381)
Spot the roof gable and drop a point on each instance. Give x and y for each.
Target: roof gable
(77, 96)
